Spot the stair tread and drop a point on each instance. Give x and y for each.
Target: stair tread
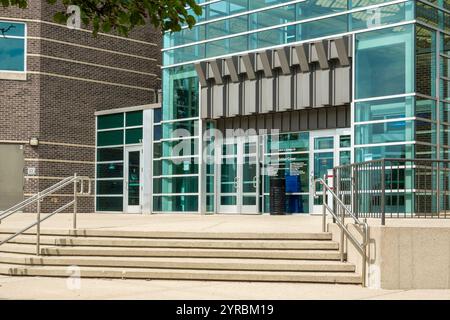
(180, 243)
(180, 274)
(64, 268)
(180, 259)
(176, 234)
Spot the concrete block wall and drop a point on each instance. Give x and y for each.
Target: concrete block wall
(402, 257)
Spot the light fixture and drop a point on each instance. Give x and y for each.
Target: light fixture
(34, 142)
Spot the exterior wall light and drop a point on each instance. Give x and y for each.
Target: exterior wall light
(34, 142)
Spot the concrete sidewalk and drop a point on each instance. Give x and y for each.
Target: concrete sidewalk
(174, 222)
(201, 223)
(56, 288)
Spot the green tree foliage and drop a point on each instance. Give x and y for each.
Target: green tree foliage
(124, 15)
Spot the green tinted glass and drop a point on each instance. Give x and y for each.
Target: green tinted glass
(110, 154)
(110, 170)
(109, 204)
(133, 118)
(108, 187)
(110, 121)
(180, 185)
(110, 138)
(133, 136)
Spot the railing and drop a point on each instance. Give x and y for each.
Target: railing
(79, 188)
(338, 211)
(395, 188)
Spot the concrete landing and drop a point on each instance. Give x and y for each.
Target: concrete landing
(176, 222)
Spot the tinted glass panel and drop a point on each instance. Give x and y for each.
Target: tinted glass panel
(110, 154)
(134, 118)
(109, 138)
(109, 204)
(109, 187)
(110, 121)
(12, 54)
(110, 170)
(384, 62)
(133, 136)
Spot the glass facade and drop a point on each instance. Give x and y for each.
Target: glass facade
(228, 27)
(400, 106)
(12, 46)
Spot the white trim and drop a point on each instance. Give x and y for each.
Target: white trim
(386, 144)
(176, 175)
(83, 30)
(286, 24)
(128, 109)
(179, 120)
(393, 96)
(178, 139)
(179, 157)
(90, 80)
(176, 194)
(90, 64)
(13, 75)
(92, 48)
(387, 120)
(332, 36)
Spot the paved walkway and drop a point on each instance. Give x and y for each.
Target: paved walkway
(56, 288)
(176, 222)
(206, 223)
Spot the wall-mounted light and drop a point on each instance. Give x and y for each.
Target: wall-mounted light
(34, 142)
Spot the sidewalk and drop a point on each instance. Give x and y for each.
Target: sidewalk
(56, 288)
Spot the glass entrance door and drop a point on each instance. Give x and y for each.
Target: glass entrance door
(133, 180)
(239, 176)
(324, 156)
(250, 175)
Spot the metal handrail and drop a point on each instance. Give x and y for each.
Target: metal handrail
(340, 221)
(31, 199)
(75, 179)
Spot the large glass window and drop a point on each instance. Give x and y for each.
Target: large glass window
(12, 46)
(385, 62)
(392, 131)
(425, 61)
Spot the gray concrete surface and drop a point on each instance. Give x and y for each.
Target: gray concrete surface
(57, 288)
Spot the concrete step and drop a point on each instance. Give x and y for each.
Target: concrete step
(172, 252)
(111, 233)
(192, 252)
(181, 263)
(187, 274)
(179, 243)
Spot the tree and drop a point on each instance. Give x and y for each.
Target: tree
(124, 15)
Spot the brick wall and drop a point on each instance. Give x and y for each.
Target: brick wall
(72, 75)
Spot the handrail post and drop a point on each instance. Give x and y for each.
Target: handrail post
(75, 202)
(383, 192)
(340, 211)
(324, 210)
(38, 227)
(364, 258)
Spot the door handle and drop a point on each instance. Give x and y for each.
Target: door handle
(255, 182)
(236, 182)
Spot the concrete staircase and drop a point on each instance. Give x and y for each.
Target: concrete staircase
(291, 257)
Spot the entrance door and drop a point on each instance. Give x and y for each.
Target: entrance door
(324, 156)
(133, 180)
(239, 176)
